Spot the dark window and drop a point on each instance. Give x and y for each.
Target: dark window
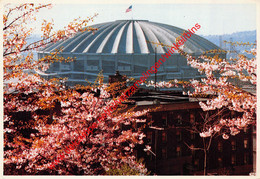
(246, 158)
(220, 162)
(149, 137)
(245, 143)
(164, 136)
(108, 66)
(164, 119)
(196, 163)
(178, 151)
(220, 147)
(78, 65)
(170, 120)
(192, 135)
(164, 153)
(233, 144)
(192, 118)
(179, 119)
(233, 159)
(178, 136)
(192, 149)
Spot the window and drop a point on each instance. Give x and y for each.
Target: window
(178, 136)
(55, 66)
(108, 66)
(192, 149)
(233, 144)
(178, 151)
(164, 119)
(92, 68)
(245, 143)
(170, 121)
(164, 153)
(149, 116)
(192, 118)
(164, 136)
(149, 137)
(220, 146)
(196, 163)
(179, 119)
(192, 135)
(220, 163)
(65, 66)
(246, 158)
(124, 68)
(233, 160)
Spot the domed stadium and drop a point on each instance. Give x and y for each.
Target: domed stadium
(127, 46)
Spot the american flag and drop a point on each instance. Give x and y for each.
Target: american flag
(129, 9)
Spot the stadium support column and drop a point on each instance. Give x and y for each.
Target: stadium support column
(132, 65)
(116, 62)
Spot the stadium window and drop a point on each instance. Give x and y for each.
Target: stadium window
(124, 68)
(233, 144)
(245, 143)
(178, 151)
(65, 66)
(93, 68)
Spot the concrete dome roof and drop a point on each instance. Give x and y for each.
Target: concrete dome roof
(127, 37)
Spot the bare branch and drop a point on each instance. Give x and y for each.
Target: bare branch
(192, 148)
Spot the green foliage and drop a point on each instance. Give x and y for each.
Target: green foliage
(126, 169)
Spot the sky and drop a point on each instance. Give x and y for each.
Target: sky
(215, 19)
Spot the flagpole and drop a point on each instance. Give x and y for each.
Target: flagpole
(132, 12)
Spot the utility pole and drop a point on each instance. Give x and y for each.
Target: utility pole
(155, 60)
(220, 41)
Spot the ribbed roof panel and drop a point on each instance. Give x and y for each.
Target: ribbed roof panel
(127, 37)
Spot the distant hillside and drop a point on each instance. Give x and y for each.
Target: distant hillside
(245, 36)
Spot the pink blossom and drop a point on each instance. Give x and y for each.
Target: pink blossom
(225, 136)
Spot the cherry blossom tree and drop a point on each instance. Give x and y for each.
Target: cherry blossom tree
(227, 86)
(42, 118)
(111, 143)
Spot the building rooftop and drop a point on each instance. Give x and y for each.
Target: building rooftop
(129, 36)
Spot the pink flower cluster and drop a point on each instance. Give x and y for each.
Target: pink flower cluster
(74, 144)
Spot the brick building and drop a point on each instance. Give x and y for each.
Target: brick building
(170, 137)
